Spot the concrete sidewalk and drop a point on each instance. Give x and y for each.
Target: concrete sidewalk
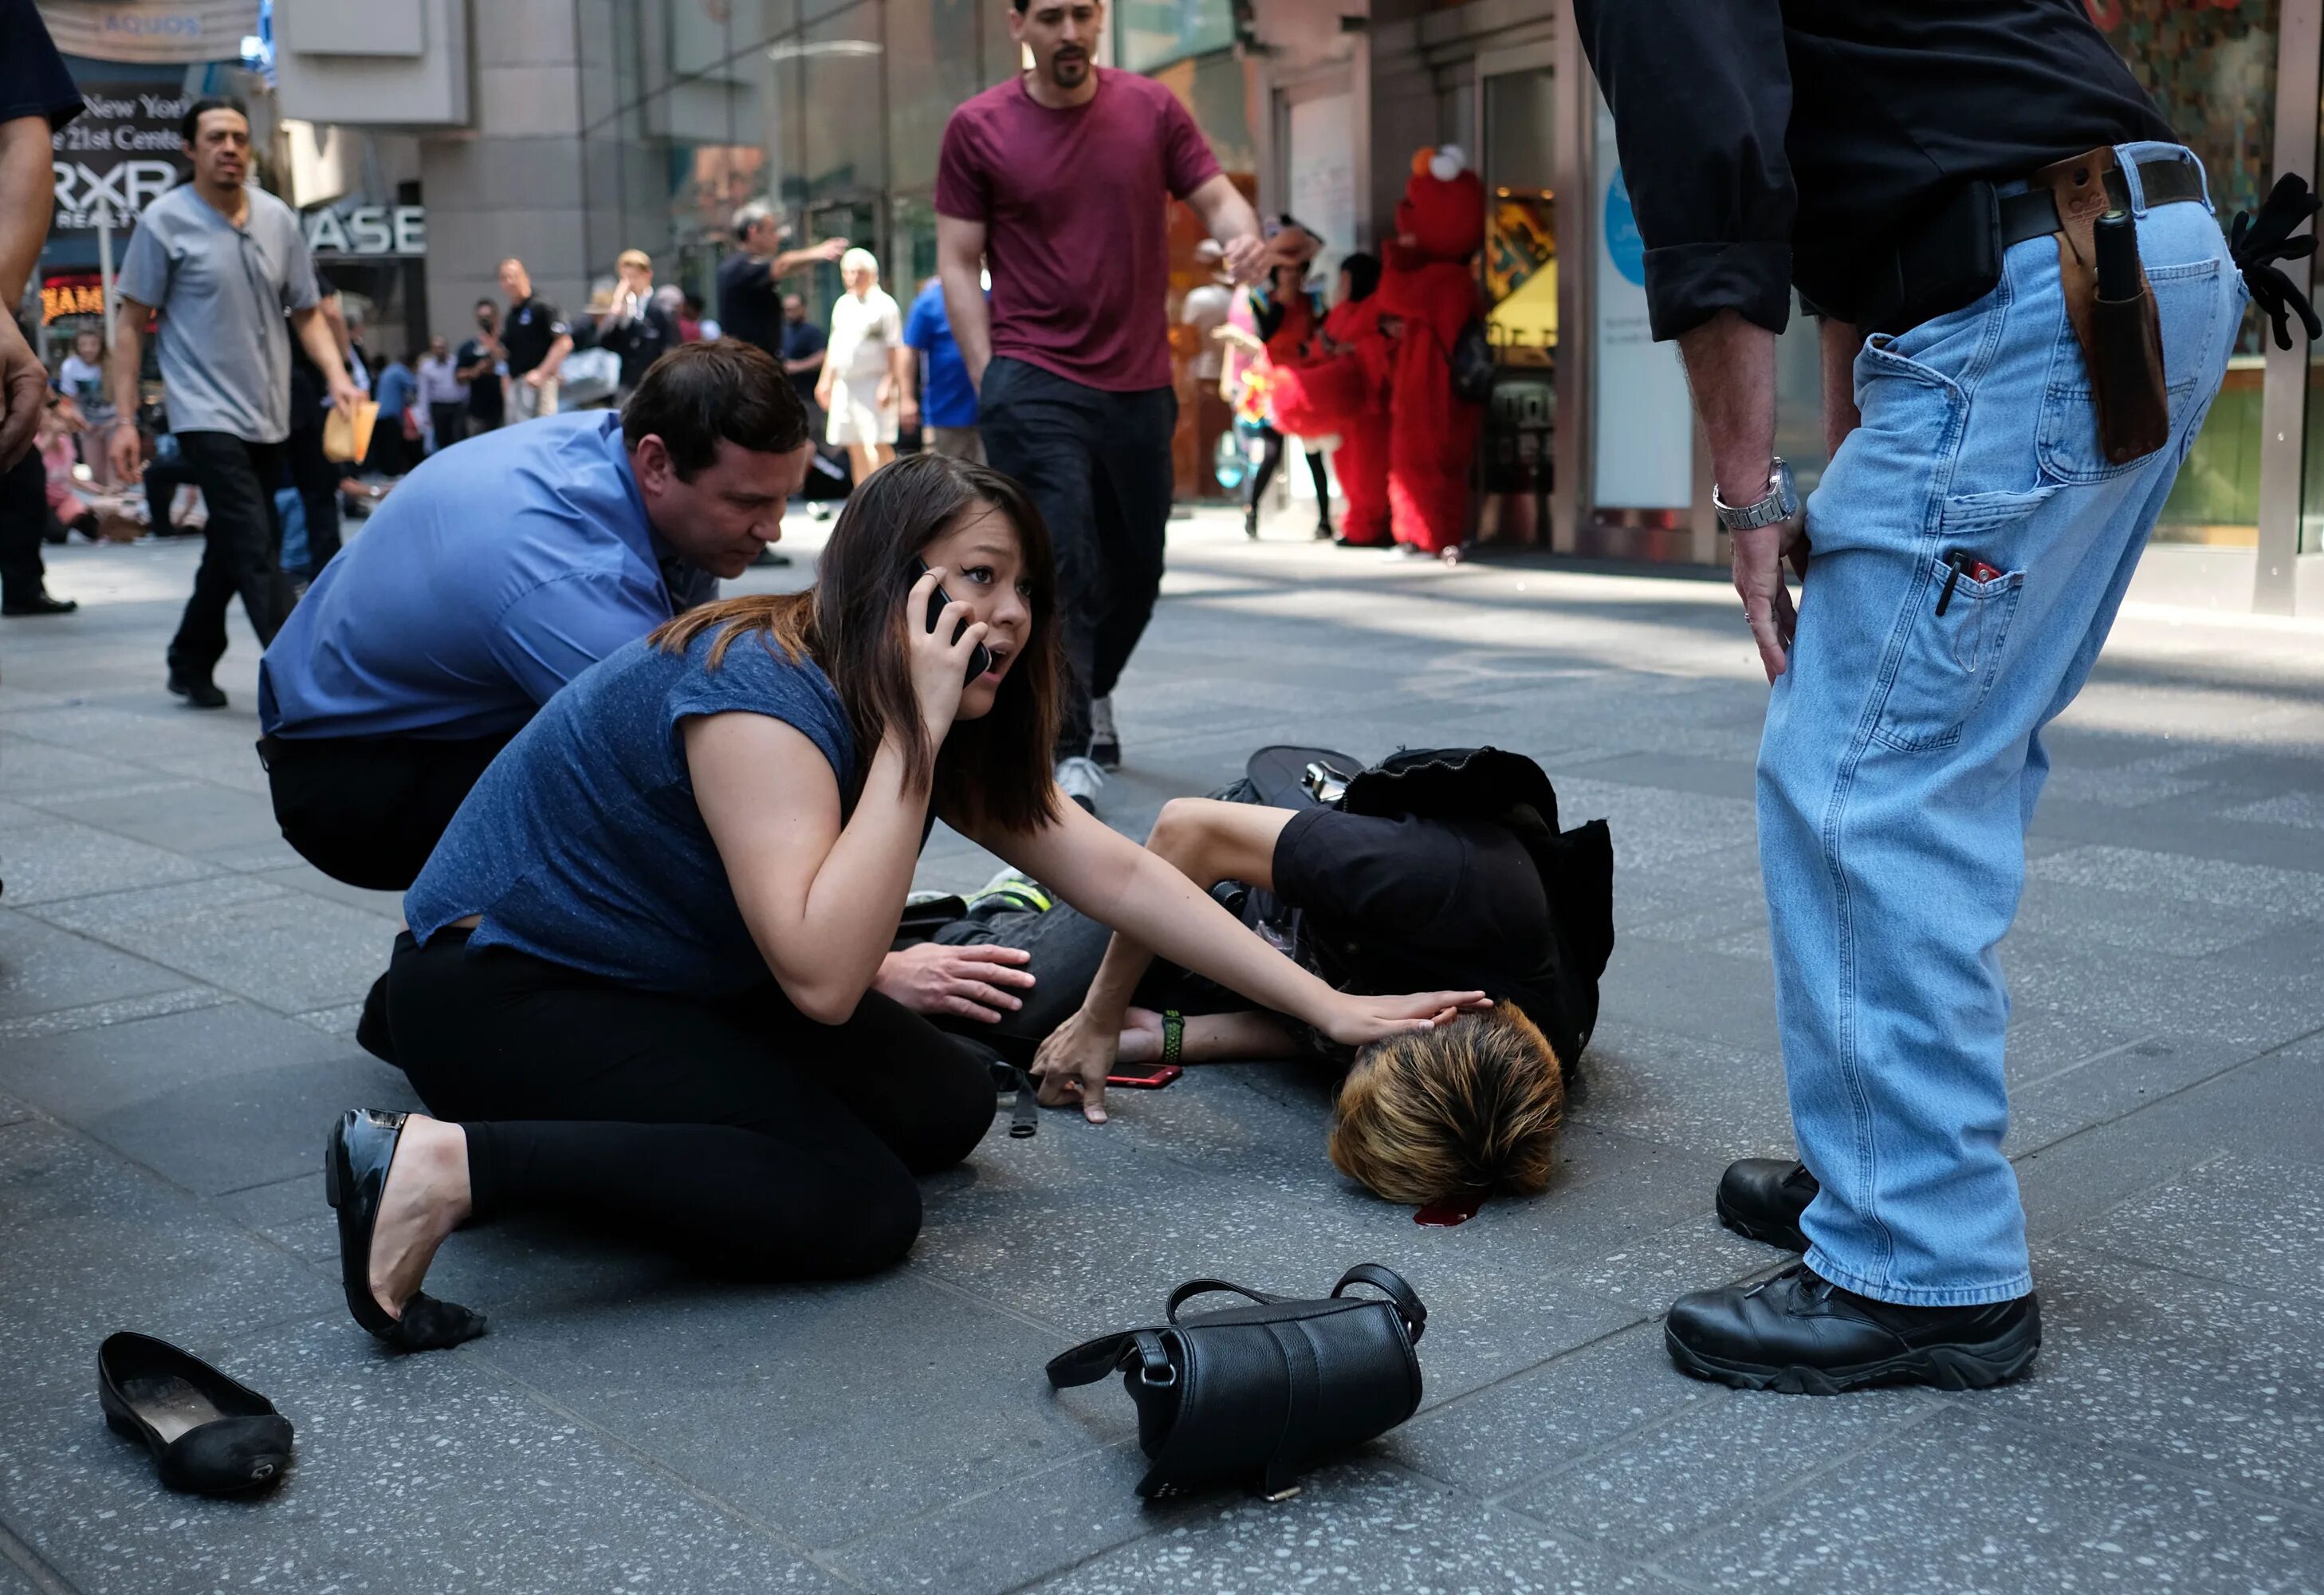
(178, 990)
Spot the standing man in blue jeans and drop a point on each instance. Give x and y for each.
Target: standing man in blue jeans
(1059, 178)
(1929, 175)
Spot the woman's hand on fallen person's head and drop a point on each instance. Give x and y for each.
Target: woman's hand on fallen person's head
(1073, 1063)
(1358, 1021)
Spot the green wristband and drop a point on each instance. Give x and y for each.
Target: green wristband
(1173, 1035)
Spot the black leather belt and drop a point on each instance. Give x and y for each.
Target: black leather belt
(2170, 180)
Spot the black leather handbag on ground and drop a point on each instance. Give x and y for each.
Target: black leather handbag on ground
(1254, 1395)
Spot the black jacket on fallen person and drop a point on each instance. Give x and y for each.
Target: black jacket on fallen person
(1773, 143)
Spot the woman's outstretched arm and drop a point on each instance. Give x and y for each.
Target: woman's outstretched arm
(1119, 883)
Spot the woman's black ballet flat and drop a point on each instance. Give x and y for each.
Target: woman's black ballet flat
(209, 1434)
(355, 1161)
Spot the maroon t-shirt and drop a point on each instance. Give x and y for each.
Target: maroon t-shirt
(1076, 227)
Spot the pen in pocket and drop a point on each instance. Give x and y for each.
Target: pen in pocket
(1958, 565)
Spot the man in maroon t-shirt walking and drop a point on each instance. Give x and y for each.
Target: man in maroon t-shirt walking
(1058, 180)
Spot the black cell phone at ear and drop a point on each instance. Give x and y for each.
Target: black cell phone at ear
(979, 660)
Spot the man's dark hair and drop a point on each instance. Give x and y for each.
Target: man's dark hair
(1363, 274)
(488, 304)
(700, 392)
(190, 123)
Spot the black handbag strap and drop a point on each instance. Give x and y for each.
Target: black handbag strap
(1390, 1284)
(1203, 1287)
(1092, 1360)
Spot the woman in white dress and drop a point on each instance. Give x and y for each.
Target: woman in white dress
(865, 387)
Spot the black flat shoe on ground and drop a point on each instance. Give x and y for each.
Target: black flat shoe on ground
(1762, 1198)
(357, 1157)
(1803, 1335)
(209, 1434)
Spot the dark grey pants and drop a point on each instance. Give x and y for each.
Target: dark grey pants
(1097, 465)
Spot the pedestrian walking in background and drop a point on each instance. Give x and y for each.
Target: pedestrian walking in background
(444, 396)
(535, 340)
(749, 299)
(480, 363)
(635, 326)
(947, 398)
(395, 434)
(1057, 179)
(314, 473)
(695, 323)
(867, 371)
(37, 96)
(220, 262)
(1287, 317)
(1931, 176)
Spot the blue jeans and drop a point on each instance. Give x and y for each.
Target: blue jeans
(1902, 751)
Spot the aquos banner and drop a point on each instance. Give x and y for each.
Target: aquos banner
(168, 32)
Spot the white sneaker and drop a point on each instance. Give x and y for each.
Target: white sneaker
(1080, 779)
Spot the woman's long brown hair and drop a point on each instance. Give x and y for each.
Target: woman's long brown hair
(995, 771)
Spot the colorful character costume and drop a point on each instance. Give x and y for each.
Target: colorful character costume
(1344, 393)
(1428, 284)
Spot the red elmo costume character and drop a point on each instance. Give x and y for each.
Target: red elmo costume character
(1344, 392)
(1428, 285)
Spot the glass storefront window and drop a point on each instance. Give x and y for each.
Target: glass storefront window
(2211, 70)
(931, 69)
(1152, 34)
(841, 58)
(1520, 227)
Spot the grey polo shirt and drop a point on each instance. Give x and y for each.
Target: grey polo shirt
(222, 291)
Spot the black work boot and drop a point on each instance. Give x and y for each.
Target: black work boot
(1762, 1198)
(1803, 1335)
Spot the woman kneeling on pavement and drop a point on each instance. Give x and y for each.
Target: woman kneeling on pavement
(636, 990)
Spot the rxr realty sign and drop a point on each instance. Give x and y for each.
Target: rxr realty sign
(119, 155)
(366, 230)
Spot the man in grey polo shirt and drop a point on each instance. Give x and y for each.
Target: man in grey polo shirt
(222, 264)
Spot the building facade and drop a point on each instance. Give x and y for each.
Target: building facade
(564, 131)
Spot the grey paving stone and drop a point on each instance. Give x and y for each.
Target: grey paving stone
(291, 1213)
(2109, 1084)
(1663, 1482)
(1551, 1417)
(736, 1389)
(1003, 1538)
(2146, 992)
(247, 1127)
(1970, 1501)
(302, 876)
(88, 1246)
(2158, 877)
(2220, 1382)
(1358, 1526)
(424, 1472)
(2249, 1223)
(44, 969)
(13, 1583)
(46, 863)
(30, 770)
(82, 1073)
(203, 819)
(286, 950)
(121, 1010)
(2116, 917)
(1690, 1092)
(1707, 991)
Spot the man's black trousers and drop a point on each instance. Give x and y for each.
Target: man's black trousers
(23, 513)
(316, 474)
(1097, 465)
(239, 548)
(369, 810)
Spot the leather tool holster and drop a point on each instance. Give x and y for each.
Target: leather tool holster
(2121, 339)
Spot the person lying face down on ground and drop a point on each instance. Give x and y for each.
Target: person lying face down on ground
(1504, 904)
(637, 988)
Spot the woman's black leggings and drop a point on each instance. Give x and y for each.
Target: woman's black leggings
(1270, 456)
(736, 1132)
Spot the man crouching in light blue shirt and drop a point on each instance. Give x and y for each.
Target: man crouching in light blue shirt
(494, 575)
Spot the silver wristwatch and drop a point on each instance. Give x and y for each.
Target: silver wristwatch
(1781, 503)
